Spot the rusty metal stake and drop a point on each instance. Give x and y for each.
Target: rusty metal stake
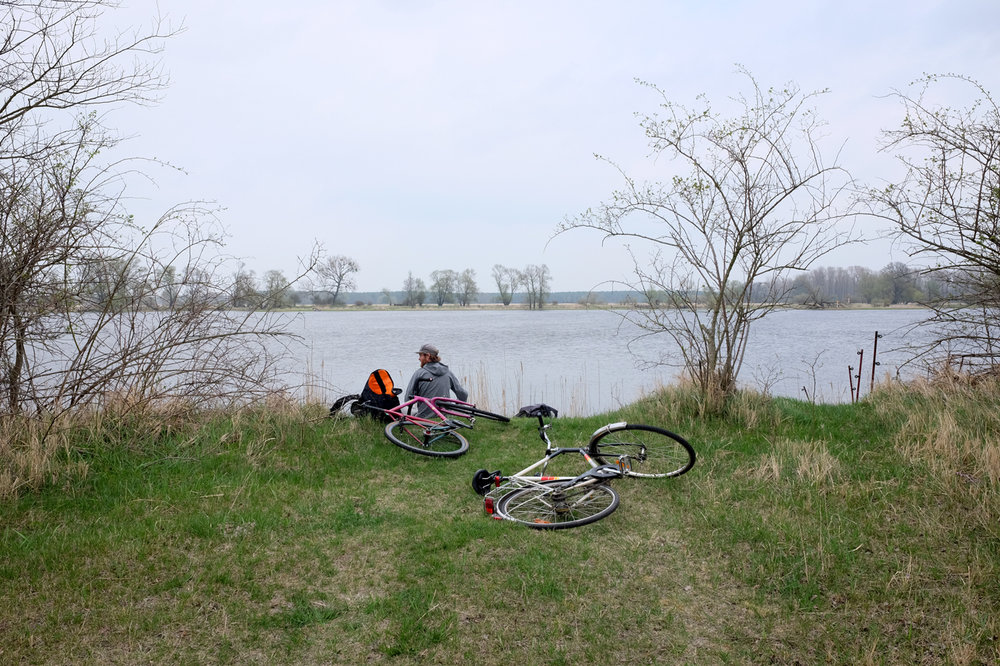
(861, 362)
(875, 362)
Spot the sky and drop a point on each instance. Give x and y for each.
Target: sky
(423, 135)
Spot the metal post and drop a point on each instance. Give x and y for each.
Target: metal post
(874, 360)
(861, 362)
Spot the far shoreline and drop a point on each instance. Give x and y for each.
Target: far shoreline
(522, 307)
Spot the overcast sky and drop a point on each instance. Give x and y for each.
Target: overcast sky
(425, 135)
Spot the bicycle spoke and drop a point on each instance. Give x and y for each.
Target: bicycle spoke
(556, 505)
(432, 441)
(644, 451)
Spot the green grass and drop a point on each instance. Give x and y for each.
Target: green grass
(804, 534)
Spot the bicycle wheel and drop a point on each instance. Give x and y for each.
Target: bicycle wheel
(443, 443)
(342, 406)
(478, 413)
(555, 505)
(643, 451)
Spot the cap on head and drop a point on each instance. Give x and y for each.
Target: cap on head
(428, 349)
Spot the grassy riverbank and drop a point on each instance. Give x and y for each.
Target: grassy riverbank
(805, 534)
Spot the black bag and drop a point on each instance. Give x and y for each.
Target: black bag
(538, 410)
(377, 395)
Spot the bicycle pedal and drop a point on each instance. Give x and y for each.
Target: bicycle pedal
(607, 472)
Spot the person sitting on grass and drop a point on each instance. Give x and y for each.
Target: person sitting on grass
(432, 380)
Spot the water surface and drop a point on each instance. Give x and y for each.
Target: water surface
(580, 361)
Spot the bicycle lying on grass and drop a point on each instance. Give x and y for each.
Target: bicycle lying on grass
(616, 450)
(433, 435)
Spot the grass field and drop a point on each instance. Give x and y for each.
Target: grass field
(805, 534)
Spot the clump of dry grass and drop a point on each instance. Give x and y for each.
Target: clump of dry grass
(486, 395)
(30, 456)
(809, 462)
(38, 451)
(682, 402)
(815, 464)
(950, 425)
(753, 410)
(669, 406)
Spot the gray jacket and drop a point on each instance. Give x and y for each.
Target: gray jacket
(434, 380)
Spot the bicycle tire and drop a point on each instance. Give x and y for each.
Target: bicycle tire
(412, 437)
(477, 413)
(555, 505)
(651, 452)
(342, 406)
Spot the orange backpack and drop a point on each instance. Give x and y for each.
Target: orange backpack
(378, 395)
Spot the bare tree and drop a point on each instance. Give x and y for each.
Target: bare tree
(79, 278)
(524, 279)
(507, 281)
(902, 279)
(805, 290)
(52, 60)
(467, 287)
(334, 274)
(946, 210)
(170, 288)
(544, 281)
(67, 345)
(758, 202)
(876, 288)
(443, 286)
(277, 290)
(414, 291)
(245, 292)
(535, 280)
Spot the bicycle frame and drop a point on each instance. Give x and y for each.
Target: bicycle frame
(504, 484)
(440, 408)
(550, 454)
(546, 501)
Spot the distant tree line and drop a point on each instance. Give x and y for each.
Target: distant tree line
(896, 283)
(333, 280)
(449, 286)
(826, 287)
(332, 277)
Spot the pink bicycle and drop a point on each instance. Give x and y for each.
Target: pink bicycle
(435, 435)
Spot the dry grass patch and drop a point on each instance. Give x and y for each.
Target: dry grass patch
(951, 425)
(32, 455)
(808, 462)
(753, 411)
(951, 429)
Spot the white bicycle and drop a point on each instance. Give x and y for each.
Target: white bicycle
(616, 450)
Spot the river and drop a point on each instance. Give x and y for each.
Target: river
(581, 362)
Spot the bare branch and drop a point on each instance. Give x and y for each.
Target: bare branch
(757, 204)
(946, 210)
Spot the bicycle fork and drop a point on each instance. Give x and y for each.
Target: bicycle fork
(624, 460)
